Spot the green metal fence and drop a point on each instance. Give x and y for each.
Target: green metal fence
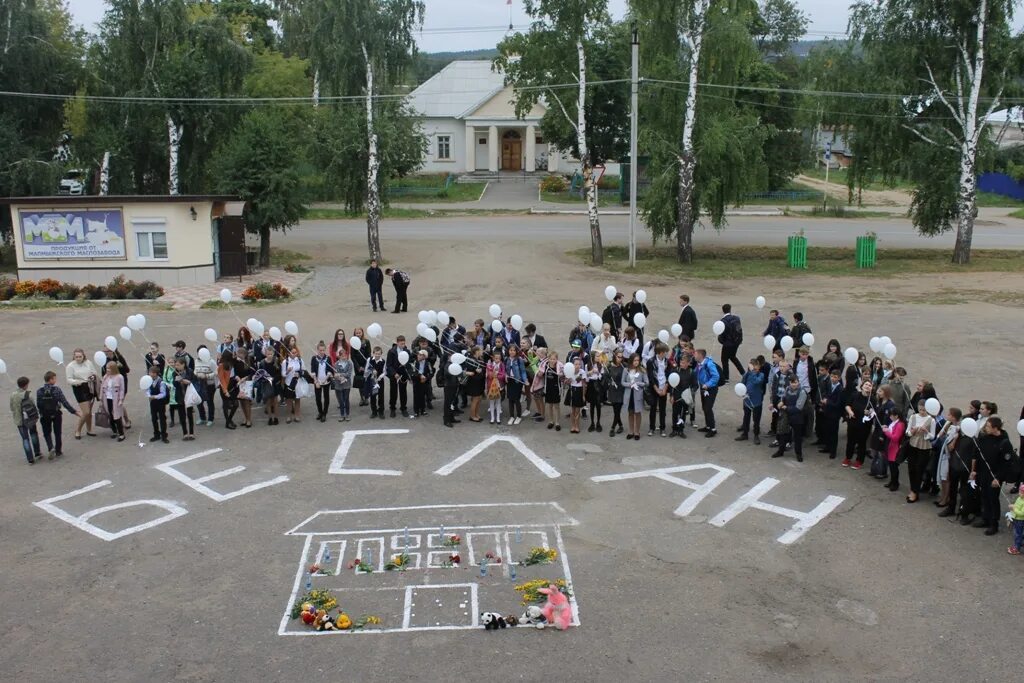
(866, 254)
(796, 252)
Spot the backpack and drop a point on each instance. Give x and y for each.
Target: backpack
(29, 412)
(404, 277)
(607, 317)
(47, 402)
(733, 333)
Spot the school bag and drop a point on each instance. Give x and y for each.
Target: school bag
(29, 412)
(47, 402)
(404, 277)
(606, 316)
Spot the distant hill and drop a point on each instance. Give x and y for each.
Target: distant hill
(429, 63)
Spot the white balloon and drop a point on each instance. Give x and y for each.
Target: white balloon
(851, 355)
(291, 328)
(741, 390)
(421, 329)
(57, 355)
(677, 329)
(718, 327)
(251, 324)
(3, 367)
(403, 357)
(140, 320)
(375, 331)
(111, 343)
(423, 316)
(210, 334)
(640, 320)
(885, 341)
(786, 343)
(641, 296)
(876, 344)
(126, 333)
(496, 325)
(1020, 425)
(355, 343)
(432, 320)
(610, 292)
(204, 355)
(583, 315)
(443, 318)
(133, 322)
(517, 322)
(569, 370)
(889, 351)
(275, 333)
(100, 360)
(260, 329)
(673, 380)
(808, 339)
(759, 302)
(145, 382)
(225, 295)
(769, 342)
(596, 324)
(431, 335)
(458, 358)
(933, 406)
(455, 369)
(969, 427)
(663, 336)
(495, 311)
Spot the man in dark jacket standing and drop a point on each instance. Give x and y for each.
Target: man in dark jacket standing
(630, 312)
(730, 339)
(400, 279)
(688, 318)
(992, 464)
(832, 406)
(375, 280)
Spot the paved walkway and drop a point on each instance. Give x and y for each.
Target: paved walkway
(191, 297)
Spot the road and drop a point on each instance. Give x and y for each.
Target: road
(994, 231)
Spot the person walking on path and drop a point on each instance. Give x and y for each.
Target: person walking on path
(730, 339)
(49, 399)
(26, 416)
(375, 280)
(400, 279)
(687, 317)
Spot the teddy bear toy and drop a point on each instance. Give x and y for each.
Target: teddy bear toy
(533, 616)
(492, 621)
(323, 621)
(556, 609)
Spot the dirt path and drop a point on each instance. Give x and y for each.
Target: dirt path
(839, 191)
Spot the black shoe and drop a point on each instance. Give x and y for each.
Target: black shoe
(165, 439)
(457, 421)
(979, 524)
(629, 437)
(831, 456)
(777, 454)
(449, 424)
(393, 410)
(757, 440)
(799, 458)
(739, 430)
(682, 434)
(991, 531)
(381, 415)
(946, 513)
(742, 437)
(155, 438)
(703, 429)
(373, 415)
(405, 413)
(231, 425)
(599, 429)
(590, 428)
(711, 433)
(965, 520)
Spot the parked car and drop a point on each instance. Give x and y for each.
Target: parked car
(73, 182)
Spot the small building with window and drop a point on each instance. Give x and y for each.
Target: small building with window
(171, 240)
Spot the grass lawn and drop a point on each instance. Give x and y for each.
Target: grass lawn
(457, 192)
(604, 198)
(746, 262)
(839, 176)
(1019, 213)
(991, 199)
(392, 212)
(846, 213)
(282, 257)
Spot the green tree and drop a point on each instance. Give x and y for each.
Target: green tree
(259, 164)
(593, 126)
(947, 65)
(777, 25)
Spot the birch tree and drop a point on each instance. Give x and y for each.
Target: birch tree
(363, 47)
(540, 58)
(948, 64)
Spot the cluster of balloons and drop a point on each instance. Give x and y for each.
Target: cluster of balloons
(884, 346)
(257, 328)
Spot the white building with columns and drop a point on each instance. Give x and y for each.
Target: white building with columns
(470, 122)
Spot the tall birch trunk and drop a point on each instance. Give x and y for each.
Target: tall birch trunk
(316, 88)
(589, 186)
(686, 212)
(173, 145)
(372, 169)
(105, 174)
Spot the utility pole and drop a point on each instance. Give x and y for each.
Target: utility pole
(634, 115)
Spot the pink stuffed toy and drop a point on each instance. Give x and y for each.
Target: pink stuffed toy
(557, 610)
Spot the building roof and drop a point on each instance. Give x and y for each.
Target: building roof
(457, 90)
(92, 199)
(1012, 114)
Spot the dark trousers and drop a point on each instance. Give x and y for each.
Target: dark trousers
(230, 407)
(187, 418)
(752, 415)
(323, 399)
(451, 395)
(399, 394)
(830, 433)
(116, 426)
(52, 425)
(419, 398)
(917, 460)
(955, 482)
(206, 409)
(657, 408)
(158, 415)
(342, 396)
(401, 300)
(377, 298)
(515, 392)
(595, 413)
(708, 404)
(894, 474)
(30, 441)
(617, 412)
(989, 503)
(729, 356)
(795, 437)
(857, 433)
(678, 415)
(377, 399)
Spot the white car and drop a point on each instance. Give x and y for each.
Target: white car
(73, 182)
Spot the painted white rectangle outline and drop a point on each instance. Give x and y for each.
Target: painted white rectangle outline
(199, 484)
(474, 608)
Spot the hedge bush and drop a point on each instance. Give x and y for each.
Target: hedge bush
(554, 183)
(48, 288)
(263, 291)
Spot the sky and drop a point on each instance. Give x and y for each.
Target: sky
(828, 18)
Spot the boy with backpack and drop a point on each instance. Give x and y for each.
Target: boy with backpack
(26, 415)
(49, 399)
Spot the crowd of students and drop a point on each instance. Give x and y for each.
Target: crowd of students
(609, 378)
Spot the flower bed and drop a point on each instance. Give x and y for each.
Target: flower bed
(264, 291)
(48, 288)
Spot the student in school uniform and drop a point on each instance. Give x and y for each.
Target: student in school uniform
(293, 370)
(577, 394)
(321, 367)
(422, 373)
(595, 391)
(615, 390)
(683, 394)
(26, 416)
(516, 377)
(376, 373)
(344, 371)
(398, 377)
(183, 378)
(112, 390)
(158, 397)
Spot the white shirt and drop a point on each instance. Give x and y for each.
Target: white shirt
(802, 370)
(321, 370)
(290, 367)
(603, 344)
(648, 352)
(629, 347)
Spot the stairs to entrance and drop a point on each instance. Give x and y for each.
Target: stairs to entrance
(501, 177)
